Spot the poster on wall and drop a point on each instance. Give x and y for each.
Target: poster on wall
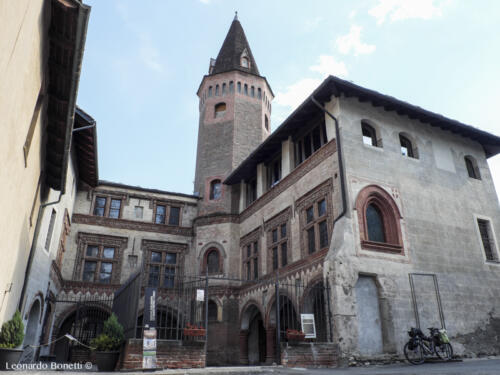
(149, 349)
(308, 326)
(150, 308)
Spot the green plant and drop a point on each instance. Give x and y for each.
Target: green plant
(111, 337)
(12, 333)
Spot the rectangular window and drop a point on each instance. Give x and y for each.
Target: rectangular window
(100, 206)
(89, 271)
(92, 251)
(275, 235)
(162, 269)
(277, 239)
(169, 278)
(99, 263)
(314, 219)
(105, 274)
(251, 191)
(160, 214)
(322, 207)
(310, 214)
(283, 231)
(255, 269)
(275, 258)
(284, 254)
(114, 210)
(108, 252)
(139, 212)
(250, 258)
(274, 172)
(487, 240)
(48, 239)
(154, 275)
(323, 234)
(175, 214)
(249, 270)
(249, 250)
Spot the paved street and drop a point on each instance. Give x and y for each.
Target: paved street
(468, 367)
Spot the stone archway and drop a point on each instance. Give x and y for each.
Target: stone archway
(253, 345)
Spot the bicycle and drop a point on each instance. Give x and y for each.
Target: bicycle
(420, 346)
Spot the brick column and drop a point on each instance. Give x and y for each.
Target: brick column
(244, 346)
(270, 345)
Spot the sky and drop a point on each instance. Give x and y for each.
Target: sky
(144, 61)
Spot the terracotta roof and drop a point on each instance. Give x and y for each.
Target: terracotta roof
(336, 86)
(229, 57)
(85, 145)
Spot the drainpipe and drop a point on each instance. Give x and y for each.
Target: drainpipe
(340, 160)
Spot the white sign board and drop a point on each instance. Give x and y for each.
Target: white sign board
(308, 326)
(200, 295)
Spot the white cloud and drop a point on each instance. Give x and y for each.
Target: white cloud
(149, 54)
(296, 93)
(312, 24)
(352, 42)
(328, 65)
(405, 9)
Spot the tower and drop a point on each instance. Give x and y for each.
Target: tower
(235, 108)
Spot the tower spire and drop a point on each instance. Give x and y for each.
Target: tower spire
(233, 50)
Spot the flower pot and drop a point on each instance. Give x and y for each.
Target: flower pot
(9, 357)
(293, 335)
(194, 332)
(106, 361)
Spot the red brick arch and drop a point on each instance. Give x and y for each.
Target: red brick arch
(391, 217)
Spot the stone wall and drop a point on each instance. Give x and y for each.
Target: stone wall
(169, 354)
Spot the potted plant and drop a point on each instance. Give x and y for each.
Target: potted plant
(194, 331)
(107, 345)
(295, 335)
(11, 337)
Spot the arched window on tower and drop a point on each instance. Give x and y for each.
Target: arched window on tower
(266, 122)
(223, 89)
(245, 62)
(231, 86)
(239, 87)
(259, 93)
(210, 91)
(220, 110)
(216, 90)
(245, 89)
(252, 92)
(215, 189)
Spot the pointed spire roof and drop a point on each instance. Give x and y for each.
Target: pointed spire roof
(229, 57)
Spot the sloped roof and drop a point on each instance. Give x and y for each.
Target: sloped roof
(85, 144)
(231, 50)
(336, 86)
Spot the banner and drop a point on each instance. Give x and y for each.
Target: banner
(149, 349)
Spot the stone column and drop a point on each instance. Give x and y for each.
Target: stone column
(243, 195)
(244, 346)
(287, 160)
(270, 345)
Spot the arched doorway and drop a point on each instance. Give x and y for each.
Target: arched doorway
(252, 337)
(84, 324)
(288, 316)
(166, 324)
(315, 303)
(31, 331)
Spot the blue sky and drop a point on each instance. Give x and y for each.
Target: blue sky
(144, 61)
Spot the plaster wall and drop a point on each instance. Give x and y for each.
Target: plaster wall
(439, 205)
(23, 31)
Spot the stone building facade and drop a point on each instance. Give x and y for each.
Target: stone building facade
(368, 213)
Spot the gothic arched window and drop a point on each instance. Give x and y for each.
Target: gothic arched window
(216, 90)
(375, 224)
(231, 86)
(239, 87)
(224, 89)
(245, 62)
(379, 220)
(245, 89)
(407, 148)
(259, 93)
(213, 261)
(369, 134)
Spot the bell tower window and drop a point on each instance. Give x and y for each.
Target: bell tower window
(244, 62)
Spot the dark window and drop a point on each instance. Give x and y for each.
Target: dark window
(251, 191)
(284, 254)
(212, 310)
(255, 269)
(323, 234)
(215, 189)
(375, 224)
(266, 122)
(275, 235)
(161, 212)
(309, 143)
(114, 210)
(220, 110)
(251, 260)
(162, 269)
(275, 258)
(216, 90)
(311, 243)
(245, 62)
(369, 134)
(259, 93)
(406, 147)
(224, 89)
(245, 89)
(174, 218)
(231, 86)
(210, 91)
(252, 92)
(239, 87)
(274, 172)
(278, 246)
(310, 214)
(487, 239)
(249, 270)
(213, 262)
(98, 264)
(100, 206)
(472, 169)
(322, 207)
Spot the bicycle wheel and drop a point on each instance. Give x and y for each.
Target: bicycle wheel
(416, 355)
(444, 351)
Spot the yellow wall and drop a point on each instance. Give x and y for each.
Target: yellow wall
(23, 42)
